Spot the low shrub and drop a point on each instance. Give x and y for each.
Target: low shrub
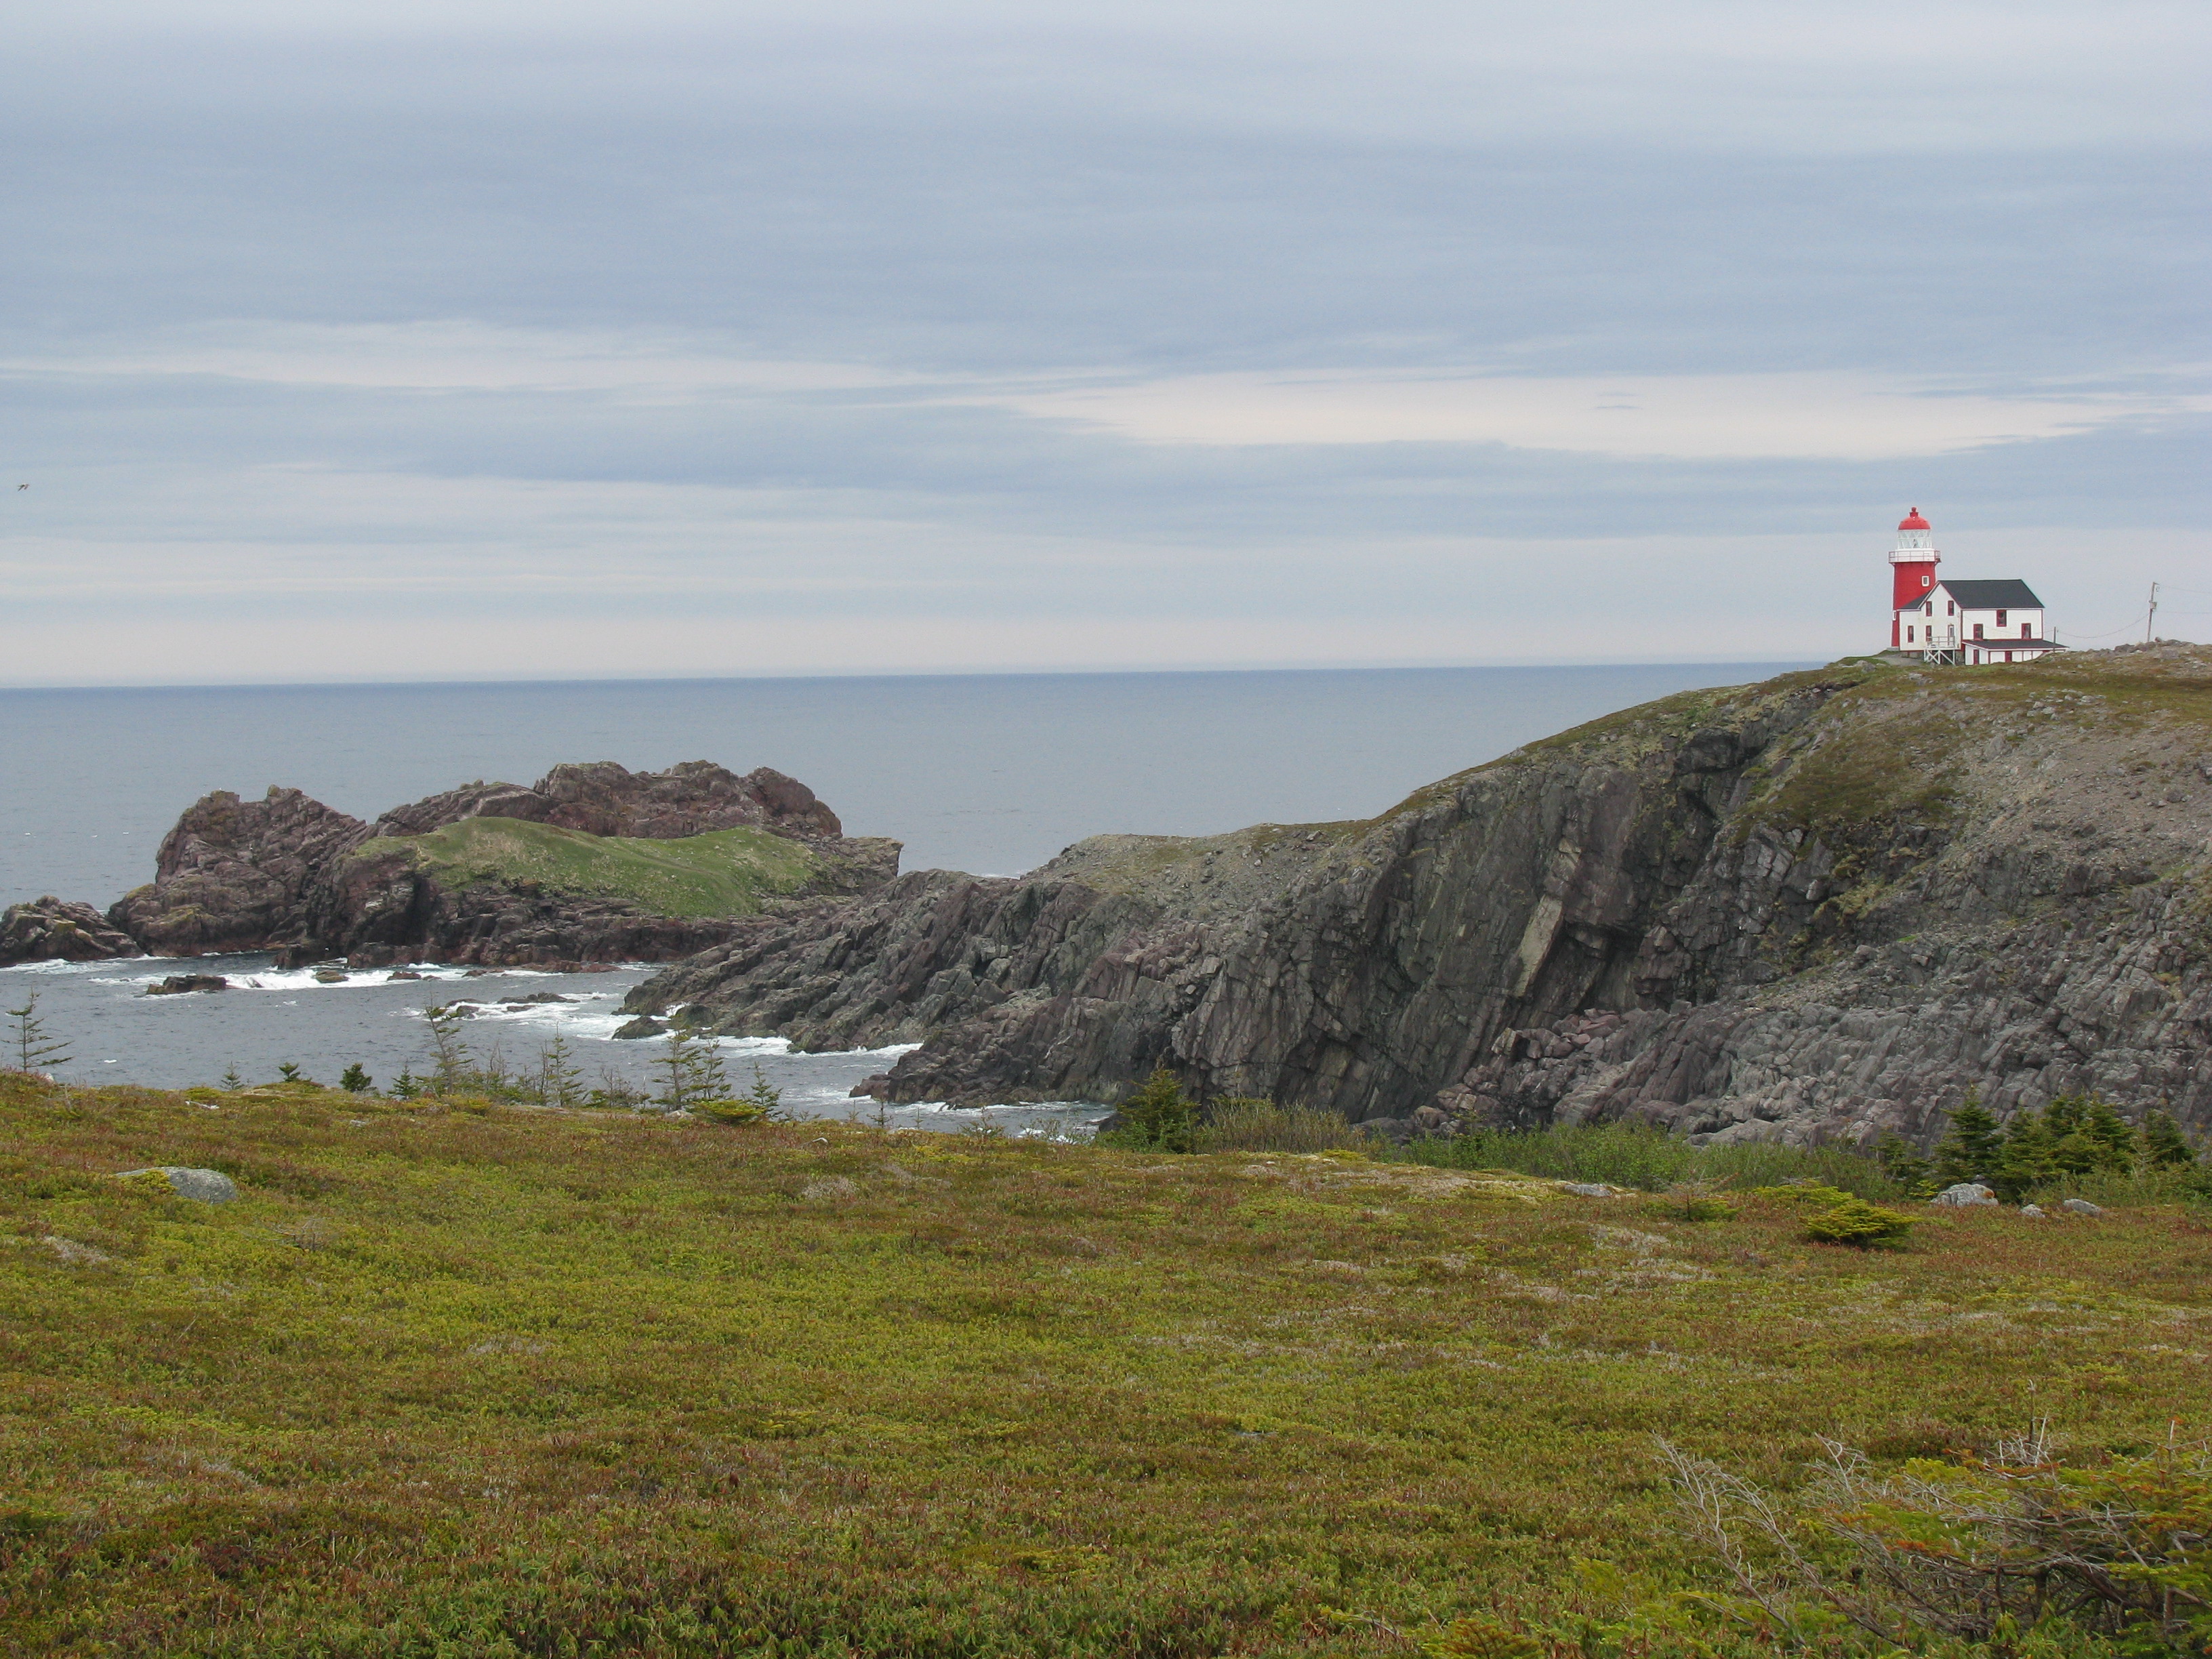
(1972, 1551)
(730, 1111)
(1236, 1125)
(1158, 1118)
(1857, 1223)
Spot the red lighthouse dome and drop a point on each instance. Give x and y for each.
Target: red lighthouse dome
(1913, 569)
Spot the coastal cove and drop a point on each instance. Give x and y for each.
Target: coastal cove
(272, 1016)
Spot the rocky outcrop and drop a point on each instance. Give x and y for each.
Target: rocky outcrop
(236, 875)
(1826, 905)
(602, 799)
(291, 875)
(50, 929)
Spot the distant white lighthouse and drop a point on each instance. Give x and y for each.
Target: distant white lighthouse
(1946, 620)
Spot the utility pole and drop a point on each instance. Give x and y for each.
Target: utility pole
(2150, 622)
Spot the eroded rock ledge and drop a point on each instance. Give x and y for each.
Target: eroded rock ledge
(1821, 905)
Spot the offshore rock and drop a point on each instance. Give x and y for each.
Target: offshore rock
(1822, 907)
(235, 875)
(291, 875)
(178, 985)
(50, 929)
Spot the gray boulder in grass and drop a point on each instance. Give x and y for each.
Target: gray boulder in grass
(2081, 1206)
(206, 1186)
(1966, 1192)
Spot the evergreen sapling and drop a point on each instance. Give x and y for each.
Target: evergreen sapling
(1972, 1147)
(33, 1050)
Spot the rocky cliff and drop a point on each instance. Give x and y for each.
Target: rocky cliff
(1821, 906)
(593, 862)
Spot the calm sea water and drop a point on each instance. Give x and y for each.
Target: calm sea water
(993, 773)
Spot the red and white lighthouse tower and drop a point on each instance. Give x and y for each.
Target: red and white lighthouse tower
(1912, 564)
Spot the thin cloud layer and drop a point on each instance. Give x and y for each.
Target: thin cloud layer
(396, 341)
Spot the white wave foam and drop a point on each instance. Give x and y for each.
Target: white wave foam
(64, 965)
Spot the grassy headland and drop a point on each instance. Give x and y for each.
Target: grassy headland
(456, 1378)
(724, 872)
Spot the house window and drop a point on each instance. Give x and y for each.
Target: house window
(1977, 630)
(1950, 607)
(2007, 656)
(1929, 609)
(2027, 630)
(1926, 581)
(2001, 619)
(1908, 636)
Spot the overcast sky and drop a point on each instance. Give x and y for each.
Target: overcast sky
(412, 341)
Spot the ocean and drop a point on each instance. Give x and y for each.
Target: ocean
(992, 774)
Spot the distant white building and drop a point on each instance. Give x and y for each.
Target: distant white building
(1950, 620)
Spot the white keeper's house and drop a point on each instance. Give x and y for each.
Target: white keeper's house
(1948, 619)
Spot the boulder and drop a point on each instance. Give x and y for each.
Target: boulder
(1966, 1192)
(2034, 1211)
(643, 1026)
(201, 1185)
(50, 929)
(2081, 1206)
(1587, 1189)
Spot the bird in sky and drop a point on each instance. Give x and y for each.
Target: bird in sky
(22, 486)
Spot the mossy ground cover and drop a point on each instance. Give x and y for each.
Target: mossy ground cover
(725, 872)
(460, 1379)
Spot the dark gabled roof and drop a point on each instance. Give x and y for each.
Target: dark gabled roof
(2008, 595)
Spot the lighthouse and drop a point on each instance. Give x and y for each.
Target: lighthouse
(1949, 621)
(1912, 564)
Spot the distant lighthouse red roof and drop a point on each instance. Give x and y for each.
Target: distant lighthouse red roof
(1913, 521)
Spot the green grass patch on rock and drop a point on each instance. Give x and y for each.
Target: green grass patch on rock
(724, 872)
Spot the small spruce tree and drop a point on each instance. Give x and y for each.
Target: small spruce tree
(355, 1080)
(2030, 1158)
(560, 1080)
(34, 1050)
(2063, 1116)
(1914, 1174)
(691, 1071)
(1973, 1148)
(765, 1095)
(2110, 1134)
(454, 1068)
(1158, 1118)
(2165, 1147)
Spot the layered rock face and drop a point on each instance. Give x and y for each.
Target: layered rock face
(50, 929)
(288, 874)
(1824, 906)
(236, 875)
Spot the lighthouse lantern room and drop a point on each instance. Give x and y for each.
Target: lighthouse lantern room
(1943, 619)
(1912, 564)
